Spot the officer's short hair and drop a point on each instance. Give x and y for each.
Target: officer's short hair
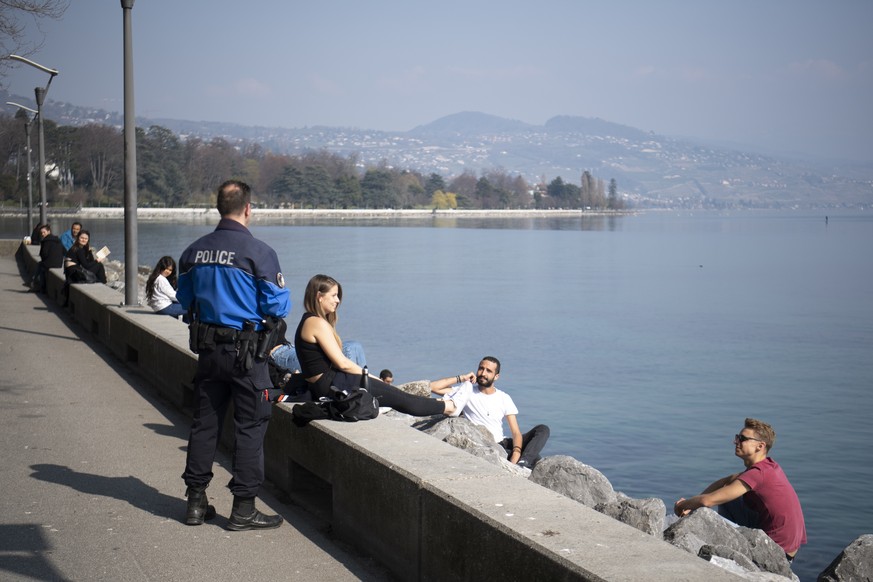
(233, 196)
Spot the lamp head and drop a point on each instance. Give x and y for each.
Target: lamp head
(21, 59)
(20, 106)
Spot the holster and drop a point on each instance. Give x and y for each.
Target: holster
(269, 337)
(246, 346)
(200, 336)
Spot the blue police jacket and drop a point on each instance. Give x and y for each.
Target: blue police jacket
(230, 277)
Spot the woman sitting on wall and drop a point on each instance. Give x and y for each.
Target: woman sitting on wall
(79, 261)
(323, 364)
(161, 289)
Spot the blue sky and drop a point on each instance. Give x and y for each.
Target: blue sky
(787, 76)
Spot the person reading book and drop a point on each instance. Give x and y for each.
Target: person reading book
(102, 254)
(81, 256)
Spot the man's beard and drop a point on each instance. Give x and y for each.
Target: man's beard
(482, 382)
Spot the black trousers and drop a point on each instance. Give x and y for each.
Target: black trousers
(532, 442)
(386, 394)
(220, 381)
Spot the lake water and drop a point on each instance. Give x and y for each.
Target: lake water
(643, 341)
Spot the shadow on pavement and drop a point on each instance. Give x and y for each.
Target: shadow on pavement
(25, 553)
(129, 489)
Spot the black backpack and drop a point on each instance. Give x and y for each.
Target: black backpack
(80, 274)
(351, 405)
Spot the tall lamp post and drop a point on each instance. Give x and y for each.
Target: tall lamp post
(131, 283)
(40, 98)
(27, 123)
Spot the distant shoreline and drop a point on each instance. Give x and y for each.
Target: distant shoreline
(211, 214)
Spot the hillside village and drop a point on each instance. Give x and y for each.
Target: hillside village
(651, 171)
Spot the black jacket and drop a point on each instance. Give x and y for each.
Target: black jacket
(52, 251)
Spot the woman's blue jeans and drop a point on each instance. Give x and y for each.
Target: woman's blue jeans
(173, 310)
(285, 356)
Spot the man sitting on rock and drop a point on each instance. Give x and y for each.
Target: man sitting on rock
(759, 497)
(483, 404)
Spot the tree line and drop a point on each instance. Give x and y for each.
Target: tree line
(85, 166)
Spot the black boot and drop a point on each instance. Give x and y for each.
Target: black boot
(198, 507)
(244, 516)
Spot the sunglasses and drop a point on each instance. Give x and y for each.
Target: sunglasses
(741, 438)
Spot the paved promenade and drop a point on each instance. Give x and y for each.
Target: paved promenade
(90, 485)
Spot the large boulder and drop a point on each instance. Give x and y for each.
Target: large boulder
(416, 388)
(447, 428)
(704, 527)
(115, 277)
(646, 515)
(476, 440)
(708, 552)
(854, 564)
(574, 479)
(766, 553)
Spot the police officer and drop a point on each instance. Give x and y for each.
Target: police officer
(233, 289)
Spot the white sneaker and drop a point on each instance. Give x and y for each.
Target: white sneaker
(457, 411)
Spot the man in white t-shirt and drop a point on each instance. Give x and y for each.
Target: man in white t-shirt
(485, 405)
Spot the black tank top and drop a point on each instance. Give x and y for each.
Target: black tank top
(313, 360)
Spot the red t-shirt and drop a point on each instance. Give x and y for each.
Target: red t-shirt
(776, 503)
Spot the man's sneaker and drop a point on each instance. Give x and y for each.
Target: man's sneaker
(457, 411)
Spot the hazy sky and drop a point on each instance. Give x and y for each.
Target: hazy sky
(793, 76)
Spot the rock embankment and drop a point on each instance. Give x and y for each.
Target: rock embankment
(853, 563)
(115, 277)
(749, 553)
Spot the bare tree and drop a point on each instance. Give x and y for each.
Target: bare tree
(99, 158)
(14, 18)
(210, 164)
(513, 191)
(465, 188)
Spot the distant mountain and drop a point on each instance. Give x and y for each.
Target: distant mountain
(470, 122)
(651, 170)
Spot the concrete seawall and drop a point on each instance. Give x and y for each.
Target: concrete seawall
(426, 510)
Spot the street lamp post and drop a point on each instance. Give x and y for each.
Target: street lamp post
(27, 123)
(40, 92)
(131, 283)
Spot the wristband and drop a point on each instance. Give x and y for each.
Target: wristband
(459, 378)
